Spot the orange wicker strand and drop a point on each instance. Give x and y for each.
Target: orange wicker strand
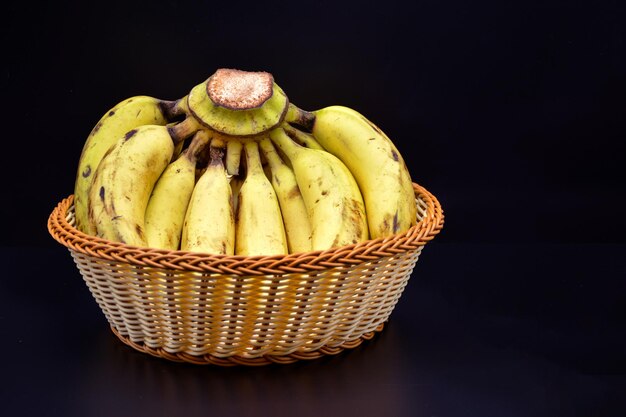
(236, 310)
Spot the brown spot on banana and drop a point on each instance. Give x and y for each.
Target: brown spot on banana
(294, 192)
(101, 193)
(373, 126)
(95, 128)
(112, 112)
(395, 155)
(87, 171)
(130, 134)
(396, 223)
(239, 200)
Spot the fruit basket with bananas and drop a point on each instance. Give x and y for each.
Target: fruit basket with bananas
(232, 227)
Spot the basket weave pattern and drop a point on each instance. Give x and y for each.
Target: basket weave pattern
(229, 310)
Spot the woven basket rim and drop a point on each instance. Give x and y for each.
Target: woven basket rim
(420, 234)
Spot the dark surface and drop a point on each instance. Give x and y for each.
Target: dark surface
(512, 113)
(481, 330)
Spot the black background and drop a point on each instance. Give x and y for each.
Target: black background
(512, 113)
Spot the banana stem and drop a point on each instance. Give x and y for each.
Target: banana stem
(197, 145)
(181, 131)
(173, 109)
(303, 118)
(284, 142)
(253, 158)
(216, 155)
(270, 153)
(305, 139)
(233, 156)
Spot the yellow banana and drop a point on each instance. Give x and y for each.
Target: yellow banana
(126, 115)
(305, 139)
(331, 195)
(210, 219)
(125, 178)
(233, 155)
(376, 164)
(170, 197)
(259, 224)
(295, 217)
(235, 185)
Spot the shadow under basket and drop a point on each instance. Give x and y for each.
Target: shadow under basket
(230, 310)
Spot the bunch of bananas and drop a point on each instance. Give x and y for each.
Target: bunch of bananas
(234, 168)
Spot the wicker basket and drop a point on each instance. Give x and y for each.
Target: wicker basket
(228, 310)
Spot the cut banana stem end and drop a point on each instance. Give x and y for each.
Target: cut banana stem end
(238, 103)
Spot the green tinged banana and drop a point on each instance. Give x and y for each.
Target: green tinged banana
(126, 176)
(376, 164)
(170, 197)
(331, 195)
(295, 216)
(259, 224)
(210, 219)
(238, 103)
(123, 117)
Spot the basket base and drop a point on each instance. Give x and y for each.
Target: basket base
(240, 360)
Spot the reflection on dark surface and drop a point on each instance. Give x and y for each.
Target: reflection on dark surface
(481, 330)
(345, 383)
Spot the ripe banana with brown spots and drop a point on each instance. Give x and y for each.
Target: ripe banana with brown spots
(295, 217)
(376, 164)
(165, 213)
(209, 224)
(331, 195)
(125, 179)
(259, 227)
(127, 115)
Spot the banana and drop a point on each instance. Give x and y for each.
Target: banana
(295, 217)
(209, 224)
(233, 155)
(235, 185)
(125, 178)
(126, 115)
(170, 197)
(259, 224)
(305, 139)
(376, 164)
(331, 195)
(238, 103)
